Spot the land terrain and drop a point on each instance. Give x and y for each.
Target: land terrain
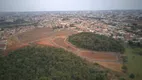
(58, 38)
(54, 29)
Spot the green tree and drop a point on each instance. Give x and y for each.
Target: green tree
(124, 68)
(96, 42)
(132, 76)
(47, 63)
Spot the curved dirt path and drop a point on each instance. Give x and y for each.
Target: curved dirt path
(112, 64)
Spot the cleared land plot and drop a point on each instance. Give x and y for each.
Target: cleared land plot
(99, 56)
(64, 33)
(45, 42)
(35, 34)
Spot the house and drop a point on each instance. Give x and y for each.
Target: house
(3, 44)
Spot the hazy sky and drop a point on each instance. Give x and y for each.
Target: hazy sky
(68, 5)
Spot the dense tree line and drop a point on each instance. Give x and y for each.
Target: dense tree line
(135, 44)
(135, 28)
(47, 63)
(18, 22)
(96, 42)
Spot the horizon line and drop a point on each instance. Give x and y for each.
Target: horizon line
(73, 10)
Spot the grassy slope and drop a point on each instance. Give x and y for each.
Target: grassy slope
(134, 64)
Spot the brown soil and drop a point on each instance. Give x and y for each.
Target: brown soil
(45, 42)
(112, 65)
(61, 42)
(35, 34)
(99, 56)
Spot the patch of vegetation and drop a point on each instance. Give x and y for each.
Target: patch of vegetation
(1, 52)
(18, 22)
(47, 63)
(12, 40)
(135, 44)
(135, 29)
(124, 68)
(121, 78)
(134, 63)
(96, 42)
(132, 76)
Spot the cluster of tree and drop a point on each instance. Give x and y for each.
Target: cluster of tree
(18, 22)
(132, 76)
(124, 68)
(135, 44)
(135, 28)
(47, 63)
(58, 27)
(65, 19)
(96, 42)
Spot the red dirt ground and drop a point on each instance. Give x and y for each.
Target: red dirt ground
(65, 33)
(45, 42)
(34, 34)
(112, 65)
(61, 42)
(99, 56)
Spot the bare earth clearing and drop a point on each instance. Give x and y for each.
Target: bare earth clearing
(49, 37)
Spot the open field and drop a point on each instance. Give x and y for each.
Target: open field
(49, 37)
(46, 42)
(34, 34)
(134, 64)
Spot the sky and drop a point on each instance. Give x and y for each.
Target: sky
(68, 5)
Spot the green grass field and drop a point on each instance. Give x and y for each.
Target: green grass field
(134, 64)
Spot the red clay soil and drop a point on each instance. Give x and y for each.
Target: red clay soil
(65, 33)
(98, 56)
(45, 42)
(61, 42)
(112, 65)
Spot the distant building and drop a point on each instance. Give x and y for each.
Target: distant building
(3, 44)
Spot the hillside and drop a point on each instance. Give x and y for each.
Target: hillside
(47, 63)
(95, 42)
